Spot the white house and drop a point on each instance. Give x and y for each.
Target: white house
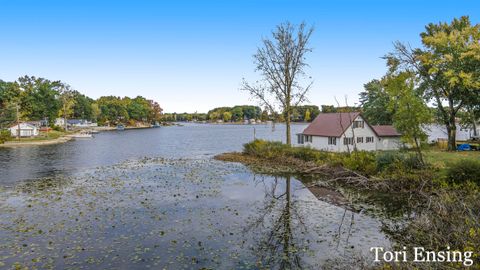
(341, 132)
(80, 123)
(26, 130)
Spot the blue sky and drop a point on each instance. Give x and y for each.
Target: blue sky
(192, 55)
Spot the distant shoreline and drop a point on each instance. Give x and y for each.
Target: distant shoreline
(13, 144)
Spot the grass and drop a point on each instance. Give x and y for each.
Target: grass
(51, 135)
(443, 159)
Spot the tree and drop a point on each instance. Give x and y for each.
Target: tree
(9, 99)
(374, 102)
(409, 110)
(68, 101)
(281, 62)
(448, 67)
(83, 106)
(95, 112)
(227, 116)
(113, 109)
(155, 111)
(307, 117)
(39, 98)
(237, 113)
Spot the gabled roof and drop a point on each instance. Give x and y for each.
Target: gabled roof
(386, 131)
(330, 124)
(23, 124)
(335, 124)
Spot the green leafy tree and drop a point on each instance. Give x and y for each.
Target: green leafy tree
(374, 101)
(9, 99)
(409, 110)
(237, 113)
(83, 107)
(39, 98)
(67, 102)
(448, 67)
(227, 116)
(112, 110)
(307, 117)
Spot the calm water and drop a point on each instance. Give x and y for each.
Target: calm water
(156, 199)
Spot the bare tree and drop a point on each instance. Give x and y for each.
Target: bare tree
(281, 62)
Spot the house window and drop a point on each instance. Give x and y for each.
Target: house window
(359, 139)
(358, 124)
(332, 140)
(348, 140)
(300, 138)
(309, 138)
(370, 139)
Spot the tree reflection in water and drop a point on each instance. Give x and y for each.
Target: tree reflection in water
(278, 246)
(282, 238)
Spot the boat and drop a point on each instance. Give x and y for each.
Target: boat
(120, 127)
(156, 125)
(93, 131)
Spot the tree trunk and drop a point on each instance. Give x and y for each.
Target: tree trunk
(419, 150)
(474, 125)
(287, 123)
(452, 133)
(451, 127)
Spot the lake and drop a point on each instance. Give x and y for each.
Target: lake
(155, 198)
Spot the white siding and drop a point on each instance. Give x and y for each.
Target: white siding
(384, 143)
(389, 143)
(25, 130)
(364, 132)
(321, 143)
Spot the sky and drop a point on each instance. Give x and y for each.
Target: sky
(192, 55)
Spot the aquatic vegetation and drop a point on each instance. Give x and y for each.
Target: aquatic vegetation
(175, 213)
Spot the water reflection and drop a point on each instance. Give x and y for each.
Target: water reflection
(278, 247)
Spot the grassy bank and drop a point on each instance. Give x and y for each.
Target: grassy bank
(44, 138)
(444, 193)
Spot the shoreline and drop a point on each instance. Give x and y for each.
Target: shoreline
(13, 144)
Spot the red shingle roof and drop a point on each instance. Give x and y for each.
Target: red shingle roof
(386, 131)
(335, 124)
(330, 124)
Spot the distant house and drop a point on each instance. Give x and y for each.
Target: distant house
(340, 132)
(74, 123)
(26, 130)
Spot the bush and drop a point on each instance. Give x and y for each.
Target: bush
(463, 171)
(361, 161)
(266, 149)
(5, 136)
(397, 160)
(386, 159)
(57, 128)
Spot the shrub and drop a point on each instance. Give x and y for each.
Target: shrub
(57, 128)
(385, 159)
(266, 149)
(397, 160)
(361, 161)
(463, 171)
(5, 136)
(307, 154)
(412, 161)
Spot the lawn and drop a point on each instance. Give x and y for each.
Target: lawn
(444, 158)
(51, 135)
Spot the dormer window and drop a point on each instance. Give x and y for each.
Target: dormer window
(358, 124)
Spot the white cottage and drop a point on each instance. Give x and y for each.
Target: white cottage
(26, 130)
(341, 132)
